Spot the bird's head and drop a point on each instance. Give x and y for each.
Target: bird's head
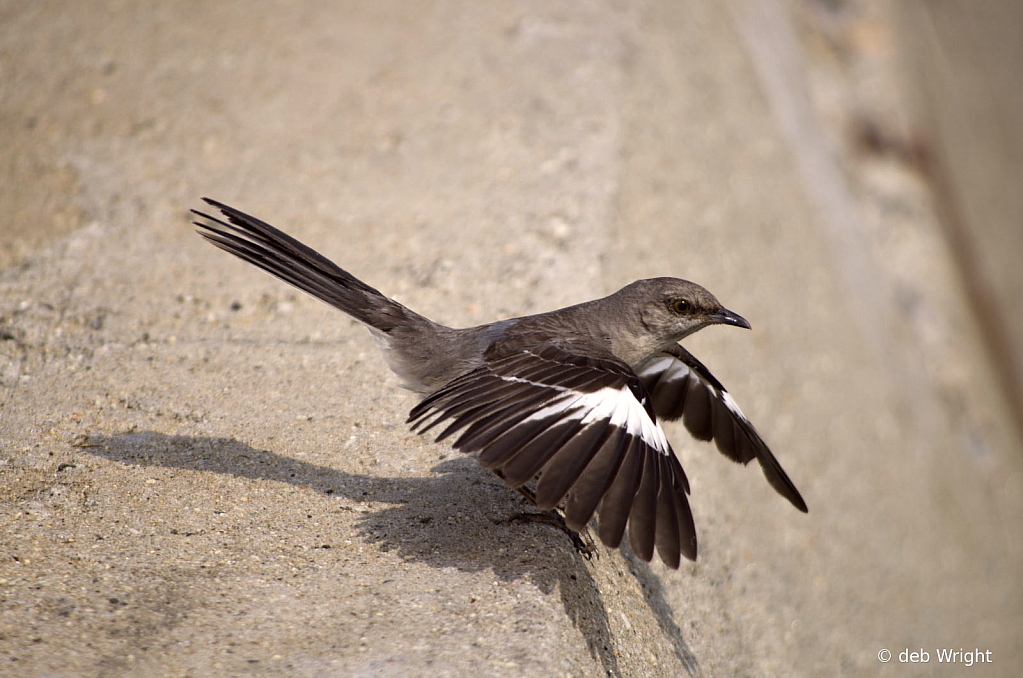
(673, 309)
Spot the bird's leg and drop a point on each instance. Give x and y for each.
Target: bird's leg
(582, 541)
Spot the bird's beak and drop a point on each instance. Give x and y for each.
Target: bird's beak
(726, 317)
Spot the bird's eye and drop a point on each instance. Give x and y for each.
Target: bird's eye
(680, 306)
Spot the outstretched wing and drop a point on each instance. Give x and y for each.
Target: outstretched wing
(681, 386)
(585, 426)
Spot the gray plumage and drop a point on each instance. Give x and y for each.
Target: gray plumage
(569, 398)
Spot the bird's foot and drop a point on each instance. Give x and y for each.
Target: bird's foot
(582, 541)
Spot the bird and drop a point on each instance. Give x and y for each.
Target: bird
(563, 406)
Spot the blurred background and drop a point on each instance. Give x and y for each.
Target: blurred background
(183, 439)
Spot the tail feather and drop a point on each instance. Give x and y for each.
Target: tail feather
(284, 257)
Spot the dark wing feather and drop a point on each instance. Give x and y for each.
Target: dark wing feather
(681, 386)
(617, 504)
(585, 427)
(643, 518)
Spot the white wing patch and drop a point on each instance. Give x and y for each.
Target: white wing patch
(618, 406)
(732, 405)
(669, 367)
(672, 369)
(658, 365)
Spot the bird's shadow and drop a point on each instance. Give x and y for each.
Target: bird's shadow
(444, 508)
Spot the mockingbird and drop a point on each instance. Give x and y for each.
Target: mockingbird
(569, 398)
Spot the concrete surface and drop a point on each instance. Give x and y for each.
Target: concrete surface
(962, 72)
(205, 473)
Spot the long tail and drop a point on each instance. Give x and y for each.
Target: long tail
(282, 256)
